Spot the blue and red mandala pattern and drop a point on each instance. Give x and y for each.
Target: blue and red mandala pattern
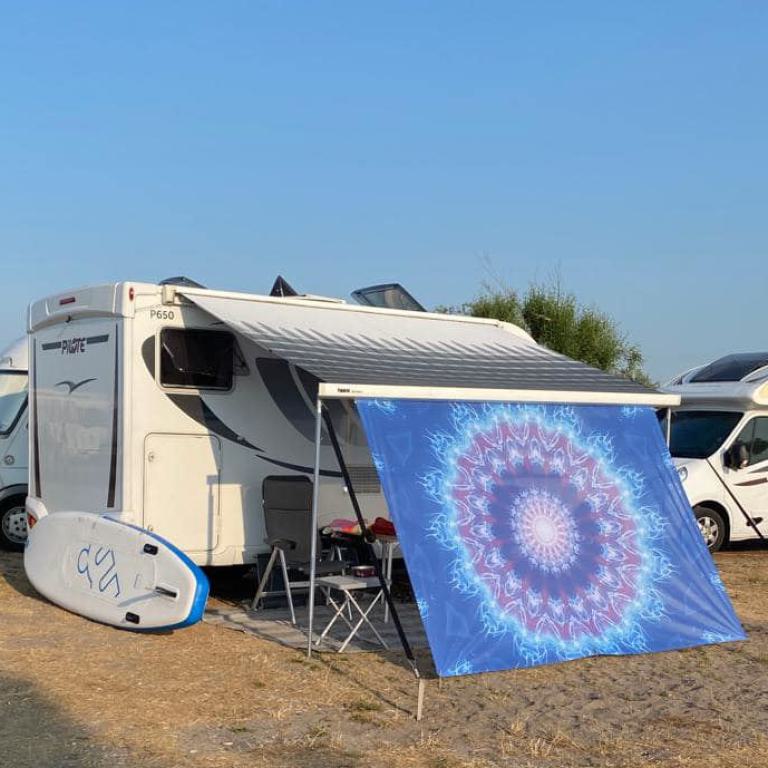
(551, 537)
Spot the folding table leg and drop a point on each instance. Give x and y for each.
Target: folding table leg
(339, 614)
(284, 568)
(340, 609)
(390, 547)
(263, 581)
(363, 619)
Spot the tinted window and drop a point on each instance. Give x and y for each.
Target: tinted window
(196, 358)
(698, 434)
(755, 437)
(759, 441)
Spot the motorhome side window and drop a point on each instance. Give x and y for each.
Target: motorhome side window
(755, 437)
(196, 358)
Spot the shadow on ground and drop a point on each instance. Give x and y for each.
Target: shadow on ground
(34, 733)
(13, 574)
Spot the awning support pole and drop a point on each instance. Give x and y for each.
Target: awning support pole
(376, 564)
(315, 498)
(669, 427)
(420, 700)
(750, 521)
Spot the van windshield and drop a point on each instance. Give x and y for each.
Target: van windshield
(698, 434)
(13, 396)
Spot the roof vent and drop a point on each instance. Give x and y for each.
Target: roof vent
(186, 282)
(387, 296)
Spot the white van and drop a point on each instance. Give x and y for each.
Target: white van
(13, 445)
(719, 443)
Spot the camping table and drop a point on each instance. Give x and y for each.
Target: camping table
(347, 585)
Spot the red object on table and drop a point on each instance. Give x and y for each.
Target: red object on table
(342, 525)
(383, 527)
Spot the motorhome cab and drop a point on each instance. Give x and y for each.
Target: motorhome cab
(719, 444)
(13, 445)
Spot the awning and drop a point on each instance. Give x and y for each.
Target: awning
(364, 352)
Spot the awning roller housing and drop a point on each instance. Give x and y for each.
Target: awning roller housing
(364, 352)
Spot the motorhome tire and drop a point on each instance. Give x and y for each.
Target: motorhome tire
(13, 524)
(712, 526)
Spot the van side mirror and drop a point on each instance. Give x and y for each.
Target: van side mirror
(737, 456)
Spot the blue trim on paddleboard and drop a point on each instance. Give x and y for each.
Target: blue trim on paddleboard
(202, 586)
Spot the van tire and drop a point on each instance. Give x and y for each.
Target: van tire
(713, 527)
(13, 524)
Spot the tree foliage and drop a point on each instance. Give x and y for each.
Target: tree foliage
(556, 319)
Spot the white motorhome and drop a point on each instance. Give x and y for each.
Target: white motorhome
(719, 443)
(148, 408)
(167, 405)
(13, 445)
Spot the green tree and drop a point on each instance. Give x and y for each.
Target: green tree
(556, 319)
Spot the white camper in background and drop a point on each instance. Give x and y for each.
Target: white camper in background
(167, 405)
(719, 443)
(13, 445)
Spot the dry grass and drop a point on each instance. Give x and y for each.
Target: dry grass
(73, 693)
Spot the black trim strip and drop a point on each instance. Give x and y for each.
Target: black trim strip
(756, 481)
(113, 458)
(51, 345)
(35, 436)
(299, 468)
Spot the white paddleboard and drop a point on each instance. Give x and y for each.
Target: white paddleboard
(114, 573)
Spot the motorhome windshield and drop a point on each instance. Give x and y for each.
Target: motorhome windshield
(698, 434)
(13, 396)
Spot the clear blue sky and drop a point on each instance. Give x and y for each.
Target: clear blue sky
(343, 144)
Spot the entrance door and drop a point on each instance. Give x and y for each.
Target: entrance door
(181, 489)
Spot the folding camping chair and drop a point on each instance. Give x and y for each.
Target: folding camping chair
(288, 519)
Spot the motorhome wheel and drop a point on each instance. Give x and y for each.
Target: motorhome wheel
(712, 527)
(13, 524)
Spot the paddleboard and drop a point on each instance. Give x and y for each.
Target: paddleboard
(114, 573)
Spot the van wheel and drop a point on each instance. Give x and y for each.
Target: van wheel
(13, 524)
(712, 526)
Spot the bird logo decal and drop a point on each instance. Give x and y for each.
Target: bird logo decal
(71, 385)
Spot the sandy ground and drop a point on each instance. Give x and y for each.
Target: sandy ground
(73, 693)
